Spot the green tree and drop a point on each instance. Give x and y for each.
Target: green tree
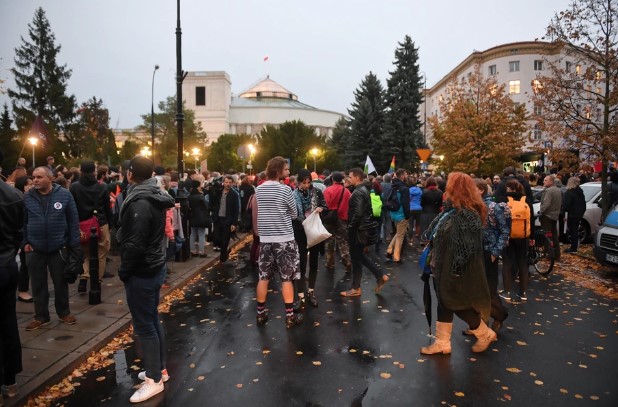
(41, 85)
(293, 140)
(222, 153)
(93, 139)
(578, 97)
(366, 125)
(481, 127)
(10, 148)
(402, 126)
(336, 144)
(166, 132)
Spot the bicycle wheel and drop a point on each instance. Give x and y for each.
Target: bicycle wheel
(544, 258)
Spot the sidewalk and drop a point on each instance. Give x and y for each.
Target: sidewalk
(52, 352)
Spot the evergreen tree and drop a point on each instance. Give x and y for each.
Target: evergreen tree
(93, 139)
(366, 125)
(41, 85)
(402, 128)
(10, 148)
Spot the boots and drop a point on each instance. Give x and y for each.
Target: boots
(442, 344)
(485, 336)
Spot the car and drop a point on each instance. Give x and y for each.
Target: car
(605, 247)
(592, 217)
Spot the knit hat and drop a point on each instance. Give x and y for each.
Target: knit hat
(337, 177)
(302, 174)
(87, 167)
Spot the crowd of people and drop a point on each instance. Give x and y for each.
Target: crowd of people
(466, 223)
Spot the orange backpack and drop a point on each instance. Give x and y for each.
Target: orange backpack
(520, 215)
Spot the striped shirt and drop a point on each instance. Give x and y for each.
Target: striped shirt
(276, 209)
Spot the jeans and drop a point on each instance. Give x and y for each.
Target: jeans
(360, 259)
(10, 345)
(38, 264)
(143, 295)
(198, 236)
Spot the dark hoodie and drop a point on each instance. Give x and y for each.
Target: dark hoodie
(91, 196)
(575, 203)
(142, 221)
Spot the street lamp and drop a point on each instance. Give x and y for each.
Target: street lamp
(251, 152)
(314, 152)
(145, 152)
(196, 155)
(33, 141)
(152, 131)
(424, 107)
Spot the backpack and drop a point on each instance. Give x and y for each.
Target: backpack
(376, 204)
(520, 215)
(392, 200)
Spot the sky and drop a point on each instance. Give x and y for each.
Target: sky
(320, 50)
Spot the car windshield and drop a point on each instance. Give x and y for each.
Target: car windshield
(590, 191)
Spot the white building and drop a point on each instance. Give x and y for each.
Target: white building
(515, 65)
(209, 95)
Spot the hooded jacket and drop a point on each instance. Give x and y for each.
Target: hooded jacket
(11, 222)
(575, 203)
(403, 194)
(53, 226)
(142, 220)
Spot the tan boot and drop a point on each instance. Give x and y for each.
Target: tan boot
(485, 336)
(442, 344)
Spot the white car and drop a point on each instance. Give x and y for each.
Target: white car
(605, 247)
(590, 223)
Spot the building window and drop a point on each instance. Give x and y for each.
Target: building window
(514, 87)
(598, 75)
(537, 132)
(514, 66)
(536, 85)
(538, 65)
(200, 96)
(578, 69)
(598, 90)
(538, 110)
(492, 70)
(569, 66)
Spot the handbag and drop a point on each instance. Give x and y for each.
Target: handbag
(314, 230)
(85, 226)
(332, 217)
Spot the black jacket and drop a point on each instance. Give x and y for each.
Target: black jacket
(431, 200)
(12, 212)
(142, 226)
(199, 215)
(232, 208)
(574, 203)
(404, 196)
(91, 196)
(359, 209)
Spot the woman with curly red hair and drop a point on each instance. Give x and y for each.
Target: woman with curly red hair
(457, 265)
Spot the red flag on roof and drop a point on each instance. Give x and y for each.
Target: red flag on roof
(266, 58)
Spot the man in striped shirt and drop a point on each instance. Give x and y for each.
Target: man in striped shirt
(278, 249)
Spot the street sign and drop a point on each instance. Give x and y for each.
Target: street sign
(423, 153)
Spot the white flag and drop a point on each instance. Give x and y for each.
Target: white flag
(369, 167)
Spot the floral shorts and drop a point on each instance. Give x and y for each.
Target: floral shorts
(281, 258)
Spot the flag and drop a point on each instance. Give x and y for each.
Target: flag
(266, 58)
(39, 131)
(391, 169)
(369, 167)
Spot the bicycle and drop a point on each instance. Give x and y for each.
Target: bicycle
(541, 255)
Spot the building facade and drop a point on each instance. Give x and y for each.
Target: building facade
(266, 102)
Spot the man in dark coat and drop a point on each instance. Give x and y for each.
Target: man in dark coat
(11, 234)
(92, 199)
(142, 220)
(51, 231)
(226, 216)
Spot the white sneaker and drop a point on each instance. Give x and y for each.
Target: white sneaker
(164, 376)
(147, 390)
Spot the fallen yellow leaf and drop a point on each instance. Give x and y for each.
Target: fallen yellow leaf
(594, 397)
(522, 343)
(385, 375)
(538, 382)
(299, 353)
(100, 378)
(316, 363)
(459, 394)
(239, 385)
(564, 391)
(201, 378)
(513, 370)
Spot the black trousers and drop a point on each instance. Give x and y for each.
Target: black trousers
(222, 236)
(551, 226)
(10, 344)
(498, 310)
(573, 225)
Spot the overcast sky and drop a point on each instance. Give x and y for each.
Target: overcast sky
(320, 49)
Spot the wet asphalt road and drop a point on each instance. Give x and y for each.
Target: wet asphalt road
(558, 349)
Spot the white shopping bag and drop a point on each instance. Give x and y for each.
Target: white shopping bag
(315, 231)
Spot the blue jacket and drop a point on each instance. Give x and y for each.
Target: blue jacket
(50, 228)
(415, 198)
(497, 230)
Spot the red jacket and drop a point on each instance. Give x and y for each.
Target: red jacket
(332, 195)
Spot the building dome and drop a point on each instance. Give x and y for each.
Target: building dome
(267, 88)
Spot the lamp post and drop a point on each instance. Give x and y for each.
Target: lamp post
(196, 155)
(251, 152)
(33, 141)
(145, 152)
(314, 152)
(424, 107)
(152, 131)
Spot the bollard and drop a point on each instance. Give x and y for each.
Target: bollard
(93, 263)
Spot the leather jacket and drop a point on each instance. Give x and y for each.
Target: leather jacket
(359, 209)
